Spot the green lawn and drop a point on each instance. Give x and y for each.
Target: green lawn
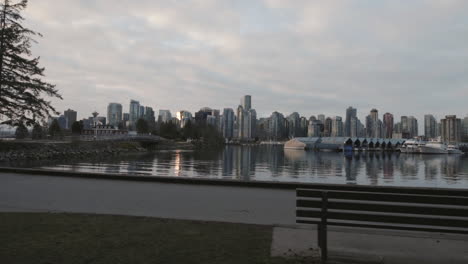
(46, 238)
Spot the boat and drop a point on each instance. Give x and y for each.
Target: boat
(433, 147)
(452, 149)
(412, 146)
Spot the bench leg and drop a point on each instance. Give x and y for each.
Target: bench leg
(323, 241)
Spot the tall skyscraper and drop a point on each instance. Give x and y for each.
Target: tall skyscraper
(165, 115)
(114, 114)
(227, 124)
(451, 129)
(134, 111)
(70, 116)
(430, 126)
(465, 129)
(374, 113)
(246, 102)
(412, 127)
(321, 118)
(276, 126)
(246, 119)
(350, 114)
(294, 121)
(388, 125)
(337, 127)
(327, 127)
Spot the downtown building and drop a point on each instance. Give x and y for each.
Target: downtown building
(227, 123)
(114, 114)
(465, 129)
(451, 129)
(430, 127)
(246, 122)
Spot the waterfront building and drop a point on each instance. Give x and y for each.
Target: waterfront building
(337, 127)
(246, 102)
(294, 125)
(150, 117)
(430, 126)
(412, 127)
(227, 123)
(164, 116)
(276, 130)
(202, 115)
(465, 129)
(388, 125)
(246, 119)
(451, 129)
(351, 113)
(321, 118)
(70, 116)
(141, 112)
(184, 117)
(62, 121)
(356, 128)
(315, 128)
(304, 124)
(114, 114)
(134, 112)
(327, 127)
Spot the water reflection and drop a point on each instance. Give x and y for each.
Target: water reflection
(273, 163)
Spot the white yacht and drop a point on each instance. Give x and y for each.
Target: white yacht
(434, 147)
(452, 149)
(412, 146)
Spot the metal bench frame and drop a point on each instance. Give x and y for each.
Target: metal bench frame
(382, 210)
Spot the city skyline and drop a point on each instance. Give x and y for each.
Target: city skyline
(174, 57)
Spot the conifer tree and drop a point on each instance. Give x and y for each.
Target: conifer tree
(22, 91)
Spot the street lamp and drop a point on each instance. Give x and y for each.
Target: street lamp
(95, 114)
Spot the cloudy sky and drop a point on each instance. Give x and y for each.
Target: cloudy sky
(399, 56)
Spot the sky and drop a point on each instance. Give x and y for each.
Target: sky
(312, 57)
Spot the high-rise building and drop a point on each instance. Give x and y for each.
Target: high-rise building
(134, 111)
(412, 127)
(294, 121)
(184, 117)
(276, 126)
(70, 117)
(374, 113)
(430, 126)
(337, 127)
(165, 116)
(465, 129)
(350, 114)
(227, 124)
(141, 112)
(321, 118)
(114, 114)
(315, 128)
(327, 130)
(246, 119)
(246, 102)
(451, 130)
(388, 125)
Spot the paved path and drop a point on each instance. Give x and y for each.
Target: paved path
(32, 193)
(25, 193)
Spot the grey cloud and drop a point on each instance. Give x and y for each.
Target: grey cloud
(408, 58)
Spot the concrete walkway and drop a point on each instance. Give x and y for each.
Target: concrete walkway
(33, 193)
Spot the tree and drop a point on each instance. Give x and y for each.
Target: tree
(54, 129)
(142, 126)
(21, 131)
(21, 87)
(77, 127)
(37, 132)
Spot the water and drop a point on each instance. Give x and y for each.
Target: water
(273, 163)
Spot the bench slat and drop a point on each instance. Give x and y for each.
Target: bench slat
(385, 197)
(385, 218)
(423, 209)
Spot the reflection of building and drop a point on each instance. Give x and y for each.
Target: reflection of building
(451, 129)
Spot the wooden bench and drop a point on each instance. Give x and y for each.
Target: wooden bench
(382, 210)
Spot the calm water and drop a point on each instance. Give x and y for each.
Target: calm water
(273, 163)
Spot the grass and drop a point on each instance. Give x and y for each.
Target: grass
(48, 238)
